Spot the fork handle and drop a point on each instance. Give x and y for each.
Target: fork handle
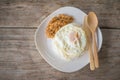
(92, 66)
(96, 61)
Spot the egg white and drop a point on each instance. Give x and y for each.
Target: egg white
(67, 49)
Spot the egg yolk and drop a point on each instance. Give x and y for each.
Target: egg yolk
(74, 37)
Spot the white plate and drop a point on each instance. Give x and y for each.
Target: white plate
(45, 48)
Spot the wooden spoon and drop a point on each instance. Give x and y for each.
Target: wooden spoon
(93, 23)
(89, 37)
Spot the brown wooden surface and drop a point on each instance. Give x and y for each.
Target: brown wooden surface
(29, 13)
(19, 59)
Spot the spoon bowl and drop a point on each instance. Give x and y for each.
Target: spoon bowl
(92, 21)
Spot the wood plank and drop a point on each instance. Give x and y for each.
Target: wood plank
(19, 59)
(30, 13)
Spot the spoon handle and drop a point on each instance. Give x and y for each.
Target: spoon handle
(92, 66)
(95, 52)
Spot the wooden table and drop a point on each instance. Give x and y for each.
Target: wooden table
(19, 59)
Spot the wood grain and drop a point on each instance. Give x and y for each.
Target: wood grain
(30, 13)
(19, 59)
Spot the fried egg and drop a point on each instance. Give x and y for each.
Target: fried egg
(70, 41)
